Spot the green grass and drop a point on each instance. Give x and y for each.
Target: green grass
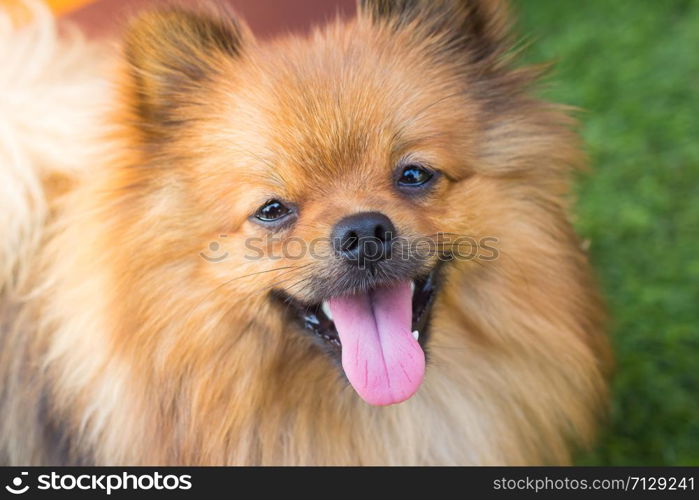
(632, 66)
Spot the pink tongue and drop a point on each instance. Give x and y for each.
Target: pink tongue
(381, 359)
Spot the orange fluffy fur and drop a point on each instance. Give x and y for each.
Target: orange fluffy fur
(121, 345)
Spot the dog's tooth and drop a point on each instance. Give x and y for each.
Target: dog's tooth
(326, 310)
(416, 334)
(412, 286)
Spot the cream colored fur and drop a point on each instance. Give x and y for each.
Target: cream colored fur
(52, 99)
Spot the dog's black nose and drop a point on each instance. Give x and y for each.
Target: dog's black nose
(364, 237)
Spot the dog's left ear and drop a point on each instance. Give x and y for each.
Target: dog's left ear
(170, 54)
(475, 28)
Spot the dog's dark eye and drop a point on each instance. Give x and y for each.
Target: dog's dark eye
(414, 176)
(272, 211)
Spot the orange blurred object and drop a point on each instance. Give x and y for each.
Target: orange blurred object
(59, 7)
(63, 6)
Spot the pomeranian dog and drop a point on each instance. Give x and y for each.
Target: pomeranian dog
(223, 251)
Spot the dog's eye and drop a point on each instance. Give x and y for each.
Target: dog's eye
(272, 211)
(414, 175)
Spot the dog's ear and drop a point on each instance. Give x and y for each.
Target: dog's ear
(476, 28)
(169, 54)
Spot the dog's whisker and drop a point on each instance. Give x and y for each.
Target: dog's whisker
(225, 283)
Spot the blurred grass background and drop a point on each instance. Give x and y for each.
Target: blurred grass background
(632, 66)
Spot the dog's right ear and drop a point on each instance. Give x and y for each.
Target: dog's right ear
(477, 29)
(169, 55)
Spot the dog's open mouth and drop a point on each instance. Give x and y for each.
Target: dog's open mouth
(379, 335)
